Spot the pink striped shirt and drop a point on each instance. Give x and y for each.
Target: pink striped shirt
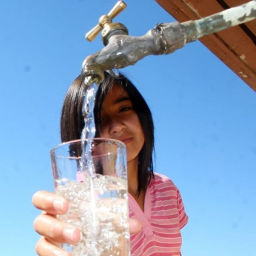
(162, 220)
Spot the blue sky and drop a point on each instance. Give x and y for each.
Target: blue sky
(204, 115)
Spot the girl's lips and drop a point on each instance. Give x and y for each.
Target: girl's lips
(126, 140)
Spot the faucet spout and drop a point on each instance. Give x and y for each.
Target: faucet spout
(125, 50)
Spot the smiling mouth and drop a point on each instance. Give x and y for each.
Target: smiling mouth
(126, 140)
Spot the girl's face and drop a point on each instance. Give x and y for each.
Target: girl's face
(120, 121)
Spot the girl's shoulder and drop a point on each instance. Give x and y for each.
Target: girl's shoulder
(162, 180)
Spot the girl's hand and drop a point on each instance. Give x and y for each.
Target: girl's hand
(52, 230)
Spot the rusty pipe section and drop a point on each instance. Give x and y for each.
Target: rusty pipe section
(123, 50)
(220, 21)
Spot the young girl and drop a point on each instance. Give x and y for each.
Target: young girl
(155, 205)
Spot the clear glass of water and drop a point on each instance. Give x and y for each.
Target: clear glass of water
(92, 176)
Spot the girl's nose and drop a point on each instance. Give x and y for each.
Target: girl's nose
(116, 127)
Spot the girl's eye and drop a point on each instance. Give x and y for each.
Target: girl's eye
(125, 108)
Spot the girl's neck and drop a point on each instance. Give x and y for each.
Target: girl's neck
(133, 183)
(132, 167)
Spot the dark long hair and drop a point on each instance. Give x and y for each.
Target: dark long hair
(72, 120)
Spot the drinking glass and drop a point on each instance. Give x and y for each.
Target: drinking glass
(92, 175)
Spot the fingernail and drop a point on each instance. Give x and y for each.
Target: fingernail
(59, 204)
(71, 234)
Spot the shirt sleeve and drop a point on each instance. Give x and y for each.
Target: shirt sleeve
(183, 218)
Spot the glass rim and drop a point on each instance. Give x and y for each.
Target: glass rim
(118, 142)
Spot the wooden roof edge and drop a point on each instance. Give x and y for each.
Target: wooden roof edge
(183, 11)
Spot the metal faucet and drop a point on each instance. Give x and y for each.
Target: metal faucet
(122, 50)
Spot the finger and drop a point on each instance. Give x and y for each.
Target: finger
(45, 248)
(50, 202)
(135, 226)
(56, 230)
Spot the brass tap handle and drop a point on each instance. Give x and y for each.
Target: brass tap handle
(90, 36)
(119, 6)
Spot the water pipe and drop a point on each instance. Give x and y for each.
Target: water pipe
(122, 50)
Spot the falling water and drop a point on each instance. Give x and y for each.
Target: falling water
(87, 111)
(87, 169)
(88, 132)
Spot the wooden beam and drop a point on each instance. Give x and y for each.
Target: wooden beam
(235, 46)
